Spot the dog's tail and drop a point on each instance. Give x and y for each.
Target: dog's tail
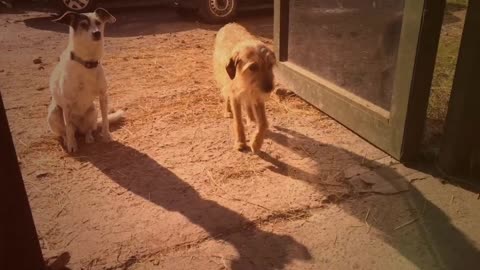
(113, 117)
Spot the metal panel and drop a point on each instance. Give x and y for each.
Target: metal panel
(397, 131)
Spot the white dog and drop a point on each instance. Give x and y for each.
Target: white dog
(79, 78)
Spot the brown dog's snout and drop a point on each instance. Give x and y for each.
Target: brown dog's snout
(267, 85)
(97, 35)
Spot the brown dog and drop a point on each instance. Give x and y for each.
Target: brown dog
(243, 70)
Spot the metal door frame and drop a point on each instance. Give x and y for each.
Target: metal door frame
(398, 132)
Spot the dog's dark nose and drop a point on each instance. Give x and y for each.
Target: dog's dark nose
(267, 86)
(97, 35)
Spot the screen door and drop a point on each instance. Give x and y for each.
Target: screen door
(366, 63)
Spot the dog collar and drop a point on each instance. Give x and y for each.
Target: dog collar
(86, 64)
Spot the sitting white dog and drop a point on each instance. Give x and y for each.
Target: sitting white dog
(79, 78)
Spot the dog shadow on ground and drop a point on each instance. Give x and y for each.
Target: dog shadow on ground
(147, 178)
(430, 241)
(159, 20)
(440, 240)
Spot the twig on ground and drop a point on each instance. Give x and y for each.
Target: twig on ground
(282, 105)
(71, 240)
(366, 216)
(366, 220)
(304, 150)
(223, 260)
(417, 179)
(45, 242)
(424, 206)
(119, 252)
(383, 193)
(127, 130)
(61, 210)
(405, 224)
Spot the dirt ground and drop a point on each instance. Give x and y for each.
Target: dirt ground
(171, 193)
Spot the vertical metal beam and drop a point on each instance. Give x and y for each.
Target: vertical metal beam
(280, 28)
(19, 245)
(422, 78)
(460, 152)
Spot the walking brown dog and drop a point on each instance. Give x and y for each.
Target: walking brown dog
(243, 69)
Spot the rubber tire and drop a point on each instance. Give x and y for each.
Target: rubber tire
(88, 8)
(209, 16)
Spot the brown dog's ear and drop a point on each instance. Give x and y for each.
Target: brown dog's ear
(104, 15)
(67, 18)
(269, 55)
(271, 58)
(232, 68)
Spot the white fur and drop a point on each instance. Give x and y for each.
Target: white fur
(74, 89)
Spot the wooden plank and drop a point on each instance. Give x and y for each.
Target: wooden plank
(460, 151)
(19, 245)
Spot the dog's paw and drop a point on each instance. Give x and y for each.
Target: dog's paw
(228, 115)
(71, 146)
(251, 123)
(240, 146)
(107, 137)
(89, 139)
(255, 147)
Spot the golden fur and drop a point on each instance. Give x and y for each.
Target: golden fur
(243, 71)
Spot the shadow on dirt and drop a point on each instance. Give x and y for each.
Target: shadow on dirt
(257, 249)
(430, 242)
(59, 262)
(158, 20)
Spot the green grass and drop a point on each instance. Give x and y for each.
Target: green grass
(446, 60)
(458, 2)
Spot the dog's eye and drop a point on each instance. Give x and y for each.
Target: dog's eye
(253, 67)
(97, 23)
(84, 25)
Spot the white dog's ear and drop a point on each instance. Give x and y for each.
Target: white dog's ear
(67, 18)
(104, 15)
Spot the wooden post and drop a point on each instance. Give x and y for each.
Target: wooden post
(19, 245)
(460, 152)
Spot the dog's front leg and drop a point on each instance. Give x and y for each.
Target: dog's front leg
(104, 111)
(250, 114)
(228, 108)
(70, 141)
(227, 113)
(239, 130)
(262, 126)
